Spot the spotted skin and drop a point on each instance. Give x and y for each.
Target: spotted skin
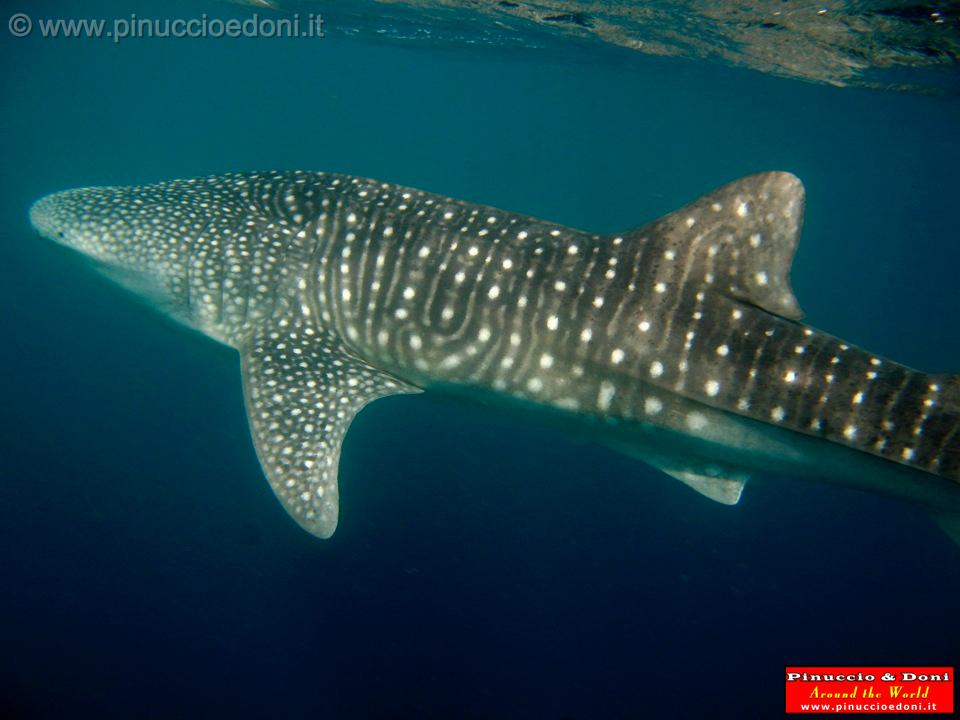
(302, 391)
(339, 290)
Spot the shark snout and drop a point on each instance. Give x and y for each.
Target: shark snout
(74, 219)
(45, 219)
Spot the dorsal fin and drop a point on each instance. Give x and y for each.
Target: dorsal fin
(743, 236)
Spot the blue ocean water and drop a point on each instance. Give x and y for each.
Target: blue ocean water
(483, 567)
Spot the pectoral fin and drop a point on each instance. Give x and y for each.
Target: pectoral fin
(302, 390)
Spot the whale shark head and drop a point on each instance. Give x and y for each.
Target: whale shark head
(101, 224)
(168, 245)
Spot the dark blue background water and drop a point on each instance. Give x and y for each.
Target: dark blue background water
(483, 568)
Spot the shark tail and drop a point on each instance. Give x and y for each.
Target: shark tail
(949, 460)
(923, 421)
(949, 522)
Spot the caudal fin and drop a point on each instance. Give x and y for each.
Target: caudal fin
(948, 456)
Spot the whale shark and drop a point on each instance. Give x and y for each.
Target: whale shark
(679, 342)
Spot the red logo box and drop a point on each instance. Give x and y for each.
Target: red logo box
(859, 690)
